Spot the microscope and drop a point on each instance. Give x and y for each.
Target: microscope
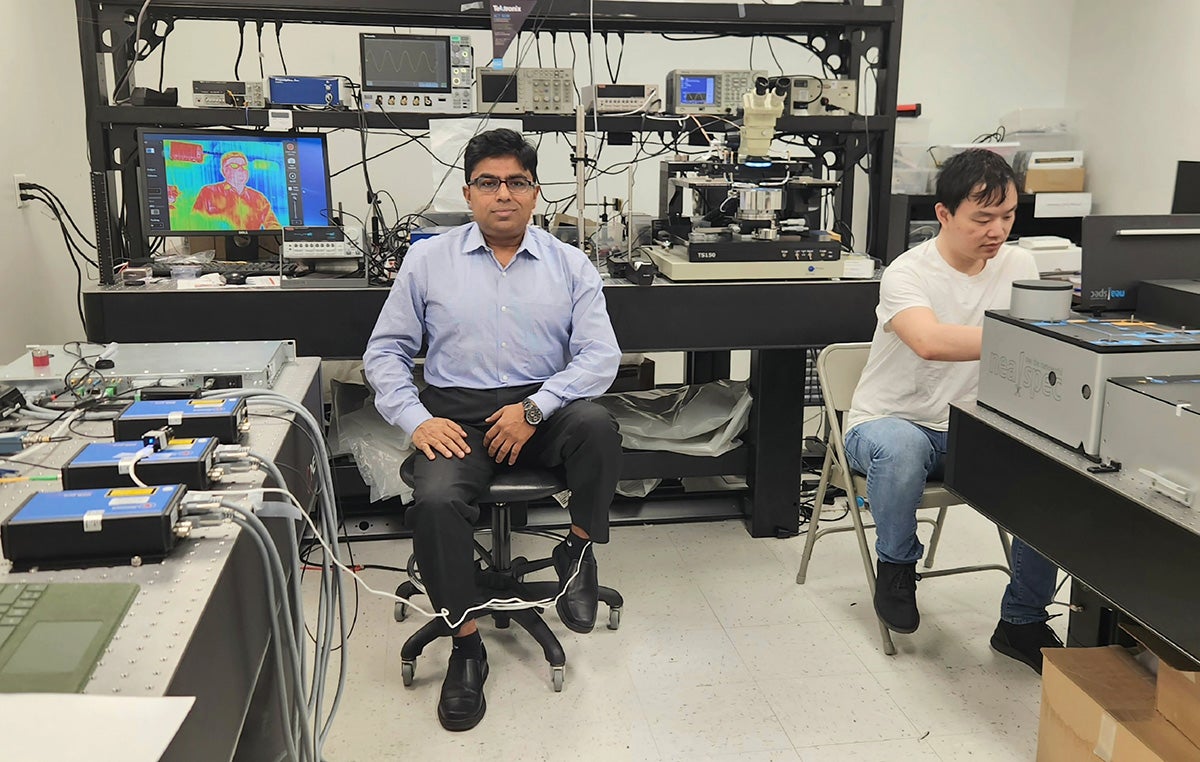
(750, 208)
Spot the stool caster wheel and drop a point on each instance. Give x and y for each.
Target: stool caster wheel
(401, 611)
(614, 618)
(557, 675)
(408, 668)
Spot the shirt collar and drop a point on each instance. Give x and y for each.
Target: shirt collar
(474, 243)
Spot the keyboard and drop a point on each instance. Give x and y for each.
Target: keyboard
(221, 267)
(53, 635)
(16, 601)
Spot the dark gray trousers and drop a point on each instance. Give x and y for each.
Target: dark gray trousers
(580, 437)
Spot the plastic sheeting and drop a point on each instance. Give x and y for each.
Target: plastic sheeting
(378, 448)
(703, 419)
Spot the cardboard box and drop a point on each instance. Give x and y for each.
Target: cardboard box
(1054, 180)
(1178, 699)
(1098, 704)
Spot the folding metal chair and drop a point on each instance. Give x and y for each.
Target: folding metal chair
(839, 367)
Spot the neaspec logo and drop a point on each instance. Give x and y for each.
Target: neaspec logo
(1108, 294)
(1029, 377)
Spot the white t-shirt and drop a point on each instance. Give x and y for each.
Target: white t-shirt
(896, 381)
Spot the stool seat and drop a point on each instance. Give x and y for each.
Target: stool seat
(509, 485)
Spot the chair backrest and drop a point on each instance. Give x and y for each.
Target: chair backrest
(839, 366)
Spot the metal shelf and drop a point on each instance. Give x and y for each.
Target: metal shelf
(734, 19)
(850, 38)
(235, 117)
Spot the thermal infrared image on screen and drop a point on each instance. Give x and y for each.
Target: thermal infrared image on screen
(226, 185)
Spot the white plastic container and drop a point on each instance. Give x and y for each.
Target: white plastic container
(911, 156)
(1044, 141)
(914, 182)
(1040, 120)
(1008, 150)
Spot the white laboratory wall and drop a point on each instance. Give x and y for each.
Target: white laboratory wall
(1135, 78)
(967, 62)
(41, 136)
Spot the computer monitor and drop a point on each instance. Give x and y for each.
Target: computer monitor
(498, 90)
(232, 183)
(414, 63)
(1187, 188)
(1119, 252)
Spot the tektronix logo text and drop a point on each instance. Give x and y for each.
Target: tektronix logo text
(1108, 293)
(506, 8)
(1028, 376)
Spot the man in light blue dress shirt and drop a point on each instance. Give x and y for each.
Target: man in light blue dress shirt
(518, 338)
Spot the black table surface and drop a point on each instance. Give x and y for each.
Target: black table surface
(336, 322)
(1110, 531)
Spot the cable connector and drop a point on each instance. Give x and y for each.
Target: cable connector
(12, 442)
(199, 502)
(158, 439)
(226, 452)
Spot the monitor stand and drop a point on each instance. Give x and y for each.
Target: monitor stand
(251, 248)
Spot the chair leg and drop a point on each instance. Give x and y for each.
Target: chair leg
(885, 635)
(1006, 543)
(429, 632)
(533, 623)
(814, 523)
(937, 537)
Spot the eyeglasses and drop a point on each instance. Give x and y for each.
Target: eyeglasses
(518, 186)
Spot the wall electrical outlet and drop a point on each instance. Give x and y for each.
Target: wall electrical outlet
(17, 180)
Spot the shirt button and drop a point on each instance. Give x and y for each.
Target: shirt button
(504, 273)
(503, 344)
(504, 309)
(504, 377)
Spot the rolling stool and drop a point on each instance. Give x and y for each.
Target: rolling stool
(510, 491)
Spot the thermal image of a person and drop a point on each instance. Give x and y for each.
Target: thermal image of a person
(233, 203)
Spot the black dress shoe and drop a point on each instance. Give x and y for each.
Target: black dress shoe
(462, 705)
(577, 606)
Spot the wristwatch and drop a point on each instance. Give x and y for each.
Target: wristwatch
(533, 414)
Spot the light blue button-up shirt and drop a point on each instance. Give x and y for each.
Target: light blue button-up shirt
(542, 319)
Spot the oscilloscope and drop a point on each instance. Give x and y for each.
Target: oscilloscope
(416, 73)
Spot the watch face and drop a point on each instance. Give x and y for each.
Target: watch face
(533, 415)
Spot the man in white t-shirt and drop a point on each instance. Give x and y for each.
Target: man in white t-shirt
(924, 356)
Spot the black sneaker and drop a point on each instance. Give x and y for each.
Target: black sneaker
(1024, 642)
(896, 596)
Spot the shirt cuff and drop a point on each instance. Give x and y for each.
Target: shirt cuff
(546, 402)
(412, 417)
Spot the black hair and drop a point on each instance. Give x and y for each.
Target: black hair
(501, 142)
(978, 174)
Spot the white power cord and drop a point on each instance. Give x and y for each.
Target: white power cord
(495, 604)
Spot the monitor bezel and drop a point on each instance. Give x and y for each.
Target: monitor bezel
(144, 211)
(362, 62)
(1187, 178)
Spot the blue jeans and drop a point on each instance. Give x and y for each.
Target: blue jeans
(898, 457)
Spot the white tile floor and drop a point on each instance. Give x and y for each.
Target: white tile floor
(719, 656)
